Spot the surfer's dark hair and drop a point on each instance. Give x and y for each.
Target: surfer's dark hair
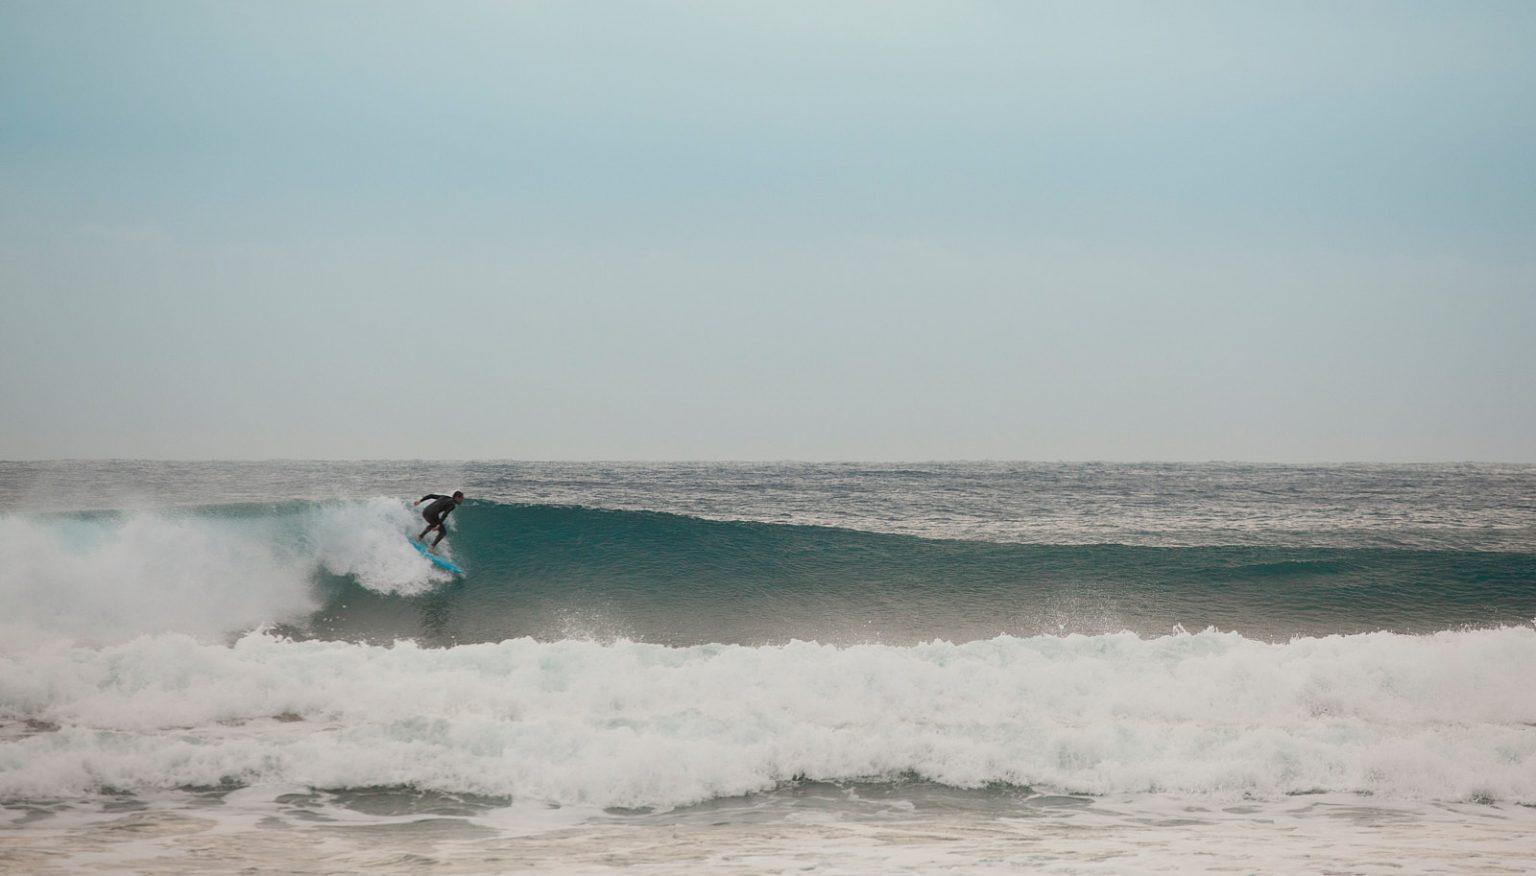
(458, 494)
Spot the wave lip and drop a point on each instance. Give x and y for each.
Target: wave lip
(1446, 716)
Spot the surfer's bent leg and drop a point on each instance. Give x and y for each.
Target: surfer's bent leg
(441, 532)
(433, 522)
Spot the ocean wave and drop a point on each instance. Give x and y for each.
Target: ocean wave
(1447, 716)
(342, 569)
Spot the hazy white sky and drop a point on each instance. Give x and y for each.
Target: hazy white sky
(677, 230)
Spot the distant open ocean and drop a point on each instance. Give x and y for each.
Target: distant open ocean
(768, 667)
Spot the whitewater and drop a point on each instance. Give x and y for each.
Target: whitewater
(869, 668)
(629, 724)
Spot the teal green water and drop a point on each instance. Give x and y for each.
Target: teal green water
(553, 571)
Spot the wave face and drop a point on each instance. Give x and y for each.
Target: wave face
(342, 570)
(630, 724)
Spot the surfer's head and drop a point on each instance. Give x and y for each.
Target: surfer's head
(458, 497)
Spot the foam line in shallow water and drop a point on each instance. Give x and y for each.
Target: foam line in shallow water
(1439, 717)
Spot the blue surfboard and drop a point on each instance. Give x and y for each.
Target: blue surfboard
(440, 562)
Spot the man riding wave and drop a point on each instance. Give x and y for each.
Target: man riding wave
(436, 513)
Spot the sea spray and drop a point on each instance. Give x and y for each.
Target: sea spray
(107, 577)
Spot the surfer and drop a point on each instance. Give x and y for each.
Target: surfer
(435, 513)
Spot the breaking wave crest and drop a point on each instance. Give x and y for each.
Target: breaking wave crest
(207, 572)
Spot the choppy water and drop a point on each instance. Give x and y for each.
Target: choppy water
(921, 665)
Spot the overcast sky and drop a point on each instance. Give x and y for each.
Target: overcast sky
(727, 230)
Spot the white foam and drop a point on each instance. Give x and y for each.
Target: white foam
(110, 578)
(1439, 717)
(362, 539)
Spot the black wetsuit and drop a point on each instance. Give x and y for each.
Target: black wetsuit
(441, 507)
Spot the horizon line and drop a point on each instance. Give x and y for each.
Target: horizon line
(769, 461)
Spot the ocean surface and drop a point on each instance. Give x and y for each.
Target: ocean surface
(768, 667)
